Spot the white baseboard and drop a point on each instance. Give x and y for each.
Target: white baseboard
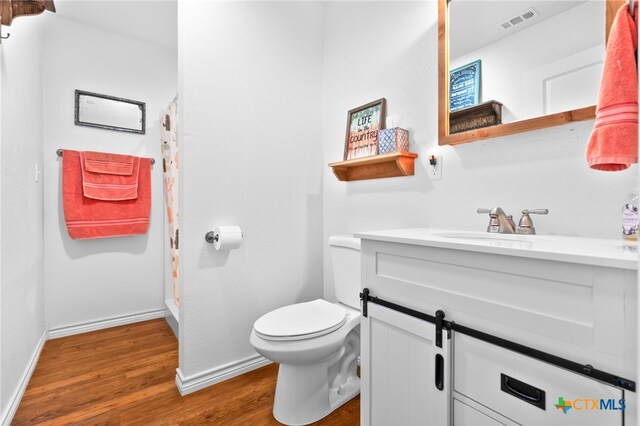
(173, 325)
(187, 385)
(173, 309)
(14, 402)
(86, 327)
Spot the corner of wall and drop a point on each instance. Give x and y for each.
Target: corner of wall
(21, 215)
(10, 410)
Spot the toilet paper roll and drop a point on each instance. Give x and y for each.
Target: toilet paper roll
(228, 237)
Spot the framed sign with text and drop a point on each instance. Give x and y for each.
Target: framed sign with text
(363, 124)
(464, 86)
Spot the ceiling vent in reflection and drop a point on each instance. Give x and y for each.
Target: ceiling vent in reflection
(525, 16)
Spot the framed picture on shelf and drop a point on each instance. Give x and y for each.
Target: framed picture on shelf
(363, 124)
(464, 86)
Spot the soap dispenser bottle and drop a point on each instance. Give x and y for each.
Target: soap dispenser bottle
(630, 217)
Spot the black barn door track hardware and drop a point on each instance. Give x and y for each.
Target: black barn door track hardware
(442, 324)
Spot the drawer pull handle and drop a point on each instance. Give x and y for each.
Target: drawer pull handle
(523, 391)
(439, 372)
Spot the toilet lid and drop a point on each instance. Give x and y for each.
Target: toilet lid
(301, 321)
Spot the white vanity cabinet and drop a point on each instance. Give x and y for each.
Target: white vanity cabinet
(570, 297)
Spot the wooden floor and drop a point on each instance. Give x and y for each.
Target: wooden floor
(126, 376)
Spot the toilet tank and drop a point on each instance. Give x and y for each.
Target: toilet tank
(345, 264)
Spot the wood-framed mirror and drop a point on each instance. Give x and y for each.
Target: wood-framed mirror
(545, 91)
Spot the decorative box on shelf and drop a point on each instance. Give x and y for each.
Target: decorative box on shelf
(393, 140)
(475, 117)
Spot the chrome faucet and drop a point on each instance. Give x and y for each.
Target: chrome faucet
(499, 222)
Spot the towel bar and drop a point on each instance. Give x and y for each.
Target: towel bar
(60, 151)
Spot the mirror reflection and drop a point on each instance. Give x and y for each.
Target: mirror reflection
(533, 58)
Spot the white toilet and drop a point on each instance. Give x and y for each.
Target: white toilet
(316, 343)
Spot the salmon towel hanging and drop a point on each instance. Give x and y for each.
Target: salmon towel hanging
(613, 145)
(104, 215)
(170, 167)
(109, 178)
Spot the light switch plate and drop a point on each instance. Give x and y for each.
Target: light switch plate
(434, 172)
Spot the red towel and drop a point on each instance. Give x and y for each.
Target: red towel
(90, 218)
(104, 185)
(613, 144)
(112, 164)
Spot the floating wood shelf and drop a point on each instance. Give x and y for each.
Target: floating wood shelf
(375, 167)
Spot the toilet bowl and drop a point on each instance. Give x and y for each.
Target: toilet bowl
(316, 343)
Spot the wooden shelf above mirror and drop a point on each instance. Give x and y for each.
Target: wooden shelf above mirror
(375, 167)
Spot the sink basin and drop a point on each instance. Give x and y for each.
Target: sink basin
(487, 237)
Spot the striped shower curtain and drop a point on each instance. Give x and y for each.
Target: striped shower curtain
(170, 165)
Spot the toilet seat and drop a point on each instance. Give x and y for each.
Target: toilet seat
(301, 321)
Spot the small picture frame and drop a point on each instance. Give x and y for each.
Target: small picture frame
(363, 124)
(464, 86)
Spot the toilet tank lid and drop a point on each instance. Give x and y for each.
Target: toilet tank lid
(345, 240)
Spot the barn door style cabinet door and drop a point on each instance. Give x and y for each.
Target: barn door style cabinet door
(406, 377)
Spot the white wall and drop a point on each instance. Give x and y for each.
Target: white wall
(250, 87)
(92, 280)
(541, 169)
(21, 268)
(506, 63)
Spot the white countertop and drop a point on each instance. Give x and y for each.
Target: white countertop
(613, 253)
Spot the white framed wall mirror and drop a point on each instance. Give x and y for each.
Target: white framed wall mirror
(508, 67)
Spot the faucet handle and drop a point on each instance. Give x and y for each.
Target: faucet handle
(525, 226)
(499, 221)
(536, 211)
(494, 223)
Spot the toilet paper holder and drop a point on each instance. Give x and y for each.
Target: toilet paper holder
(211, 237)
(225, 237)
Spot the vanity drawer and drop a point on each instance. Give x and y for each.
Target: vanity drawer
(463, 415)
(526, 390)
